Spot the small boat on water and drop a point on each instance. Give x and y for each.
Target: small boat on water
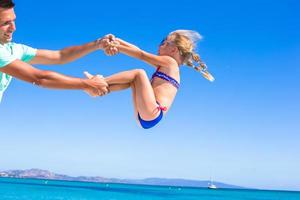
(211, 185)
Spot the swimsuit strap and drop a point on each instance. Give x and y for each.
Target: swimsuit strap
(160, 107)
(166, 78)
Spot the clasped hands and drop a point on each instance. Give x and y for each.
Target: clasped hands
(96, 85)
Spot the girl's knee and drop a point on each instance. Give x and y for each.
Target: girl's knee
(140, 73)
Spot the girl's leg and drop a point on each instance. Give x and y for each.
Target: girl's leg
(143, 94)
(117, 87)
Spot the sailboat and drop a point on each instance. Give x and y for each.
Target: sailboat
(211, 185)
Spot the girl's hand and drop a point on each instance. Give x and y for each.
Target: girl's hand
(111, 47)
(105, 41)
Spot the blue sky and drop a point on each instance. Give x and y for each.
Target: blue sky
(242, 129)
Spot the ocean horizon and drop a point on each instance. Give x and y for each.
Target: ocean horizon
(38, 189)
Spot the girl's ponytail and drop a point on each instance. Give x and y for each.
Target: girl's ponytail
(186, 42)
(200, 67)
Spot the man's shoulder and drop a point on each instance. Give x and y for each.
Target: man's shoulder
(4, 47)
(16, 45)
(12, 49)
(10, 45)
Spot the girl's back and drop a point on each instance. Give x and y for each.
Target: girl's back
(164, 90)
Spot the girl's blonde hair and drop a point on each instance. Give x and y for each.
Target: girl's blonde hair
(186, 42)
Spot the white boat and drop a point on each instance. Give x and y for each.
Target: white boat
(211, 185)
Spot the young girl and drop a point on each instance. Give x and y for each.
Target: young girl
(152, 99)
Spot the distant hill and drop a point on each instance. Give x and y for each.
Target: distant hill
(181, 182)
(44, 174)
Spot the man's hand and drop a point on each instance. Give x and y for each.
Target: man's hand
(97, 86)
(109, 44)
(112, 48)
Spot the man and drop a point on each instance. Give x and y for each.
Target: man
(16, 60)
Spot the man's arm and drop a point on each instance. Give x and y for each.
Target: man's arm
(49, 79)
(66, 55)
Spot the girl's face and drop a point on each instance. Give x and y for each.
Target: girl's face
(166, 47)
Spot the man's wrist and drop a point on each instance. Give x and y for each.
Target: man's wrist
(98, 43)
(85, 84)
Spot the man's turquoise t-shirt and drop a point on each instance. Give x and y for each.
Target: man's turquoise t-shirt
(9, 52)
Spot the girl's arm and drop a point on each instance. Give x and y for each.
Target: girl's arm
(135, 52)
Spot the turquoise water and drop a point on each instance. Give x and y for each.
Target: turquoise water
(32, 189)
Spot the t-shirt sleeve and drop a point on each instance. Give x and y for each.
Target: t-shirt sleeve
(5, 57)
(28, 53)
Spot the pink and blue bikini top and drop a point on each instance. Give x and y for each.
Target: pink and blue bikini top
(166, 78)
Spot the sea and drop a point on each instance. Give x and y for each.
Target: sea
(37, 189)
